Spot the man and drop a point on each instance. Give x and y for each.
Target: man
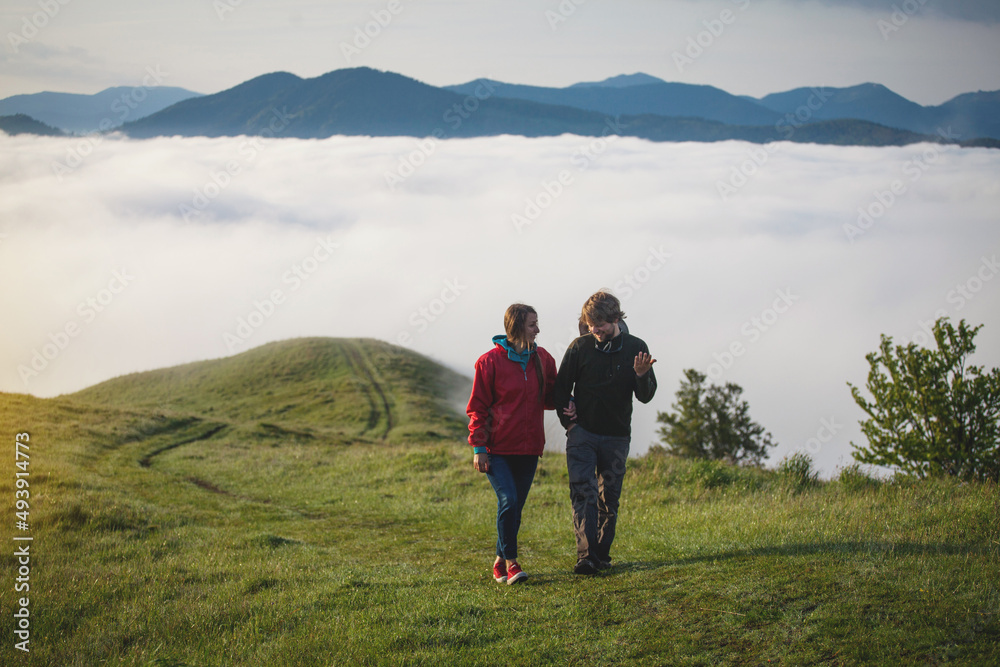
(600, 372)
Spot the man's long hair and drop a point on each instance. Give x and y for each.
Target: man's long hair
(602, 307)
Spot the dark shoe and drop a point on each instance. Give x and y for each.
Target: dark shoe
(603, 564)
(585, 566)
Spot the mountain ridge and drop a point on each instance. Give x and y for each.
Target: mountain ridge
(24, 124)
(972, 115)
(368, 102)
(102, 111)
(680, 100)
(359, 101)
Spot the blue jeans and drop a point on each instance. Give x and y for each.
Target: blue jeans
(511, 477)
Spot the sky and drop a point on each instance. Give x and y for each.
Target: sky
(926, 50)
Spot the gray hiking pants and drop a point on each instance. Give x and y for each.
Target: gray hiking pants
(596, 466)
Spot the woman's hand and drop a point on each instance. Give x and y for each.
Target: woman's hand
(570, 411)
(481, 462)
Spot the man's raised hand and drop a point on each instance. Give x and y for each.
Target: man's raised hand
(643, 362)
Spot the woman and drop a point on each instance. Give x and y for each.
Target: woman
(512, 387)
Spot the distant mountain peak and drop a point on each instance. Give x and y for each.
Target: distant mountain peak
(483, 79)
(273, 77)
(621, 81)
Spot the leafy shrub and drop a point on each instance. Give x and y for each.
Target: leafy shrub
(853, 478)
(711, 474)
(931, 413)
(797, 471)
(711, 422)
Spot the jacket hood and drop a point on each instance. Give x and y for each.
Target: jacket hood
(512, 354)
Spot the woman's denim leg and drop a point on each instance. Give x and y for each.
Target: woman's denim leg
(511, 478)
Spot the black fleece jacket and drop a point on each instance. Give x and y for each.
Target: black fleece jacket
(602, 384)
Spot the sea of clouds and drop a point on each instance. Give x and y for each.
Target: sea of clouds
(775, 267)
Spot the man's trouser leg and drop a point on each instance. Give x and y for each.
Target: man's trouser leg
(612, 453)
(581, 462)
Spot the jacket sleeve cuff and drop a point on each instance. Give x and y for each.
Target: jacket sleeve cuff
(480, 450)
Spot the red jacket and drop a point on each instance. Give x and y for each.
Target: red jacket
(505, 413)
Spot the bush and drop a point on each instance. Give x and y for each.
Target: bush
(931, 414)
(713, 423)
(711, 474)
(853, 478)
(797, 471)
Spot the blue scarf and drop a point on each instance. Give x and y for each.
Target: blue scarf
(520, 357)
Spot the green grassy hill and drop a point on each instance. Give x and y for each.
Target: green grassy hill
(312, 502)
(312, 386)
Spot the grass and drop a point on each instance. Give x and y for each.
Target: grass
(167, 534)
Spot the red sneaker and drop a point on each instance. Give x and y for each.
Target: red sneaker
(515, 574)
(500, 572)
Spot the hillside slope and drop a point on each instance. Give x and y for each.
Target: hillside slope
(23, 124)
(354, 387)
(148, 543)
(966, 117)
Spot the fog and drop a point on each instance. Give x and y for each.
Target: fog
(773, 267)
